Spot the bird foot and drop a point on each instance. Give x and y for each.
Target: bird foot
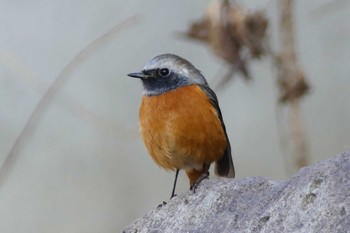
(161, 205)
(195, 185)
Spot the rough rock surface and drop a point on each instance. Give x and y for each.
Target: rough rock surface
(316, 199)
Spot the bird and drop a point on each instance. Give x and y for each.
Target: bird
(180, 120)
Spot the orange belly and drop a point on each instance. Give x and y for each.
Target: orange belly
(181, 129)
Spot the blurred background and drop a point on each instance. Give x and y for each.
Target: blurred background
(71, 156)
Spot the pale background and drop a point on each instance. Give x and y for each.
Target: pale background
(84, 168)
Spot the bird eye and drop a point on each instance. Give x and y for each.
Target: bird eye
(163, 72)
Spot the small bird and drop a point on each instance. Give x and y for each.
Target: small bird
(180, 120)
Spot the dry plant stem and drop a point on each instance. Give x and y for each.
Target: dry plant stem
(298, 134)
(289, 74)
(52, 91)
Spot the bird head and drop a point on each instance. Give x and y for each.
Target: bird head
(168, 72)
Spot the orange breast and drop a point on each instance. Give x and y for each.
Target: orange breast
(181, 129)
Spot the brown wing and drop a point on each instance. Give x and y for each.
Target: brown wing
(224, 166)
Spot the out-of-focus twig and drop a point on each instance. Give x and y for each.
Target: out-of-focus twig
(233, 34)
(328, 8)
(292, 83)
(52, 91)
(29, 78)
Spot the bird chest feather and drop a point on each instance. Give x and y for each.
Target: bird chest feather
(181, 128)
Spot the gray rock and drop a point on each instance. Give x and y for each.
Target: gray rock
(316, 199)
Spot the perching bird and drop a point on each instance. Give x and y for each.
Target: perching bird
(180, 120)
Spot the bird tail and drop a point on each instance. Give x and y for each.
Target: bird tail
(224, 166)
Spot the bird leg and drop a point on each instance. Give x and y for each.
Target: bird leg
(174, 186)
(195, 185)
(197, 176)
(173, 192)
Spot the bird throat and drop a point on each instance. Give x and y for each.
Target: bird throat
(158, 86)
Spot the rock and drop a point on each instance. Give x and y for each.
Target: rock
(316, 199)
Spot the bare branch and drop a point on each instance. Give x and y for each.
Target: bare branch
(52, 91)
(291, 80)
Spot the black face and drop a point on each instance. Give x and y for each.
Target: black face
(161, 80)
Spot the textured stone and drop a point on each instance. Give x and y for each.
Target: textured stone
(316, 199)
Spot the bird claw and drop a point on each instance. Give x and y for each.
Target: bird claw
(195, 185)
(161, 205)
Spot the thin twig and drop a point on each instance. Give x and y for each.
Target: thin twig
(52, 91)
(289, 74)
(328, 8)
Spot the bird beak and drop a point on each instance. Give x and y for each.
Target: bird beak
(139, 75)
